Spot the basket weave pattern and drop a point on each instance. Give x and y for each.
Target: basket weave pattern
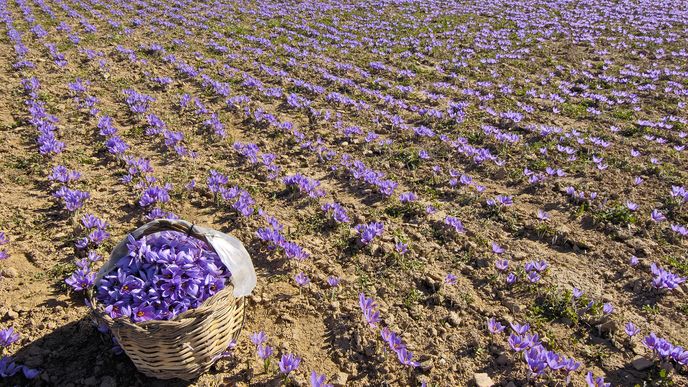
(183, 347)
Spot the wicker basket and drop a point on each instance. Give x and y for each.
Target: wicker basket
(186, 346)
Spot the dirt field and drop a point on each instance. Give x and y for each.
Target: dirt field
(516, 153)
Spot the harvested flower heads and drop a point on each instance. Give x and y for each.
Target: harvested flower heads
(164, 274)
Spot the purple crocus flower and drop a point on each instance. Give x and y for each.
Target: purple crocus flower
(497, 249)
(333, 281)
(494, 326)
(534, 277)
(406, 357)
(264, 351)
(520, 329)
(634, 261)
(289, 363)
(408, 197)
(510, 278)
(369, 231)
(502, 264)
(401, 248)
(657, 216)
(143, 313)
(542, 215)
(577, 293)
(664, 279)
(8, 336)
(259, 338)
(630, 329)
(518, 343)
(607, 308)
(302, 279)
(319, 380)
(455, 224)
(81, 279)
(450, 279)
(596, 381)
(537, 360)
(369, 309)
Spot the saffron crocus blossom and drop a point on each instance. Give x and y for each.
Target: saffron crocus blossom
(333, 281)
(521, 342)
(264, 351)
(657, 216)
(339, 213)
(497, 249)
(502, 264)
(534, 277)
(577, 293)
(406, 358)
(450, 279)
(408, 197)
(542, 215)
(607, 308)
(631, 206)
(536, 359)
(596, 381)
(494, 326)
(401, 248)
(369, 309)
(369, 231)
(8, 336)
(259, 338)
(633, 261)
(81, 279)
(455, 223)
(520, 329)
(630, 329)
(289, 363)
(319, 380)
(538, 266)
(302, 279)
(664, 279)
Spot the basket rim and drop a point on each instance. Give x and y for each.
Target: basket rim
(152, 227)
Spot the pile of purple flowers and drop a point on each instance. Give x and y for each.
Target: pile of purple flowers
(163, 275)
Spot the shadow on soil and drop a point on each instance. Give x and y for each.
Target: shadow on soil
(77, 354)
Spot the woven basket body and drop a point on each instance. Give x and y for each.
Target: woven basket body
(183, 347)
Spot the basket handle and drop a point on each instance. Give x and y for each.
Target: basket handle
(230, 250)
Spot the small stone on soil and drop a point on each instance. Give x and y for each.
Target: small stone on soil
(483, 380)
(641, 363)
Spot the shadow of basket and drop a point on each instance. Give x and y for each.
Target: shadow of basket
(77, 354)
